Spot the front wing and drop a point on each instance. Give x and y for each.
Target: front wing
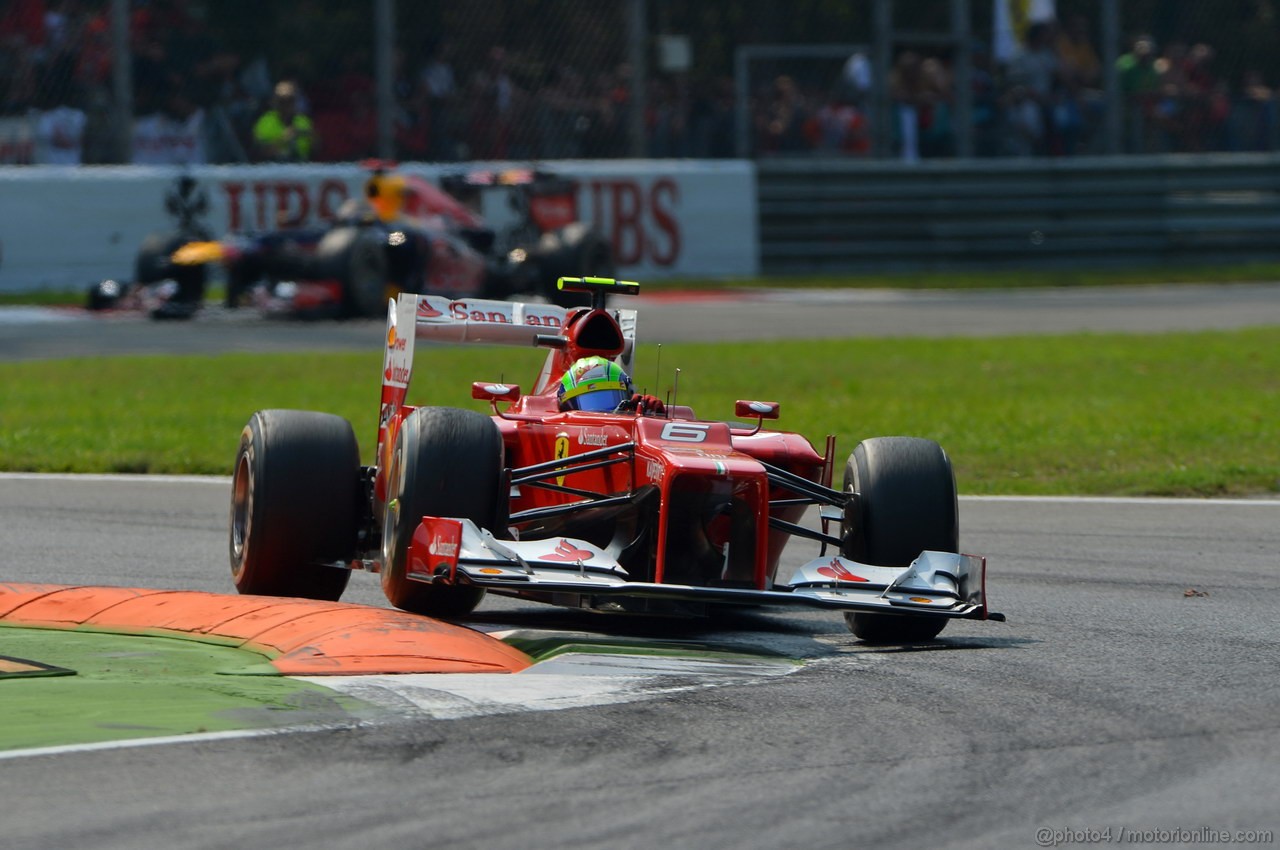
(457, 551)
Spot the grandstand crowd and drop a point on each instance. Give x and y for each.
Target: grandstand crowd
(197, 101)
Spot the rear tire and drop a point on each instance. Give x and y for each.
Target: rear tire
(366, 278)
(446, 462)
(583, 252)
(907, 505)
(294, 505)
(153, 262)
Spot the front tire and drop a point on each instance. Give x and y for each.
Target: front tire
(294, 505)
(906, 505)
(447, 462)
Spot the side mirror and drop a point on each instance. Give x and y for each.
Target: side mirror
(756, 409)
(495, 392)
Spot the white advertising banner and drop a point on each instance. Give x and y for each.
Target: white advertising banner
(68, 227)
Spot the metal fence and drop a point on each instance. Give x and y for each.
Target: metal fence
(840, 215)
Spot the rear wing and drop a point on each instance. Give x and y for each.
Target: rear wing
(440, 319)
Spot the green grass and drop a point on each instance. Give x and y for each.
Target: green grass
(129, 686)
(1175, 414)
(960, 279)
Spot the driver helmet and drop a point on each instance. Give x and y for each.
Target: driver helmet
(594, 384)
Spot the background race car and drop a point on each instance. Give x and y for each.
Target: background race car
(490, 234)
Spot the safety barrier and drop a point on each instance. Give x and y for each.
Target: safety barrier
(838, 215)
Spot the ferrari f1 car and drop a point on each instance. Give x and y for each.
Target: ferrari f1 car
(636, 509)
(406, 235)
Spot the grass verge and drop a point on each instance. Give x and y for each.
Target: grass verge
(1170, 414)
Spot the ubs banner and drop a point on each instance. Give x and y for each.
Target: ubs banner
(65, 228)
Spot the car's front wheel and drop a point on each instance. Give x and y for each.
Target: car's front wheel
(295, 505)
(906, 504)
(447, 462)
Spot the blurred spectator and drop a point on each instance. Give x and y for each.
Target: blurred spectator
(1206, 102)
(1252, 124)
(838, 127)
(411, 121)
(1034, 83)
(937, 132)
(1140, 86)
(173, 135)
(1080, 68)
(22, 27)
(920, 90)
(607, 105)
(988, 116)
(350, 133)
(784, 118)
(493, 95)
(440, 86)
(283, 133)
(59, 122)
(562, 114)
(194, 56)
(855, 79)
(1077, 58)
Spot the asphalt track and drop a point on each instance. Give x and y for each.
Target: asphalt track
(1134, 688)
(33, 333)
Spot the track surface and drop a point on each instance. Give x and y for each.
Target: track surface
(749, 314)
(1111, 698)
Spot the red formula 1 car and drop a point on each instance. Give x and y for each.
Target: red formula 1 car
(643, 507)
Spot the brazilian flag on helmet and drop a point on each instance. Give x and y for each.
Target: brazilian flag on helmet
(594, 384)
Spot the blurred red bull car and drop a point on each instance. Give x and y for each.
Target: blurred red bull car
(406, 234)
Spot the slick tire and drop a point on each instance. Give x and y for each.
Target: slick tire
(153, 263)
(367, 275)
(295, 505)
(581, 252)
(446, 462)
(906, 504)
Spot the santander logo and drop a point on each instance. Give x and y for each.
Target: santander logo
(837, 571)
(566, 551)
(442, 548)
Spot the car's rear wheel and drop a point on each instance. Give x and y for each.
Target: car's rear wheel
(447, 462)
(579, 251)
(295, 505)
(906, 504)
(154, 261)
(367, 274)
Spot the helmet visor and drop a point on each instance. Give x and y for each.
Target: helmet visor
(600, 401)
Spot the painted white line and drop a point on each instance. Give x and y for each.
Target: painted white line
(117, 477)
(1127, 500)
(28, 315)
(573, 680)
(193, 738)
